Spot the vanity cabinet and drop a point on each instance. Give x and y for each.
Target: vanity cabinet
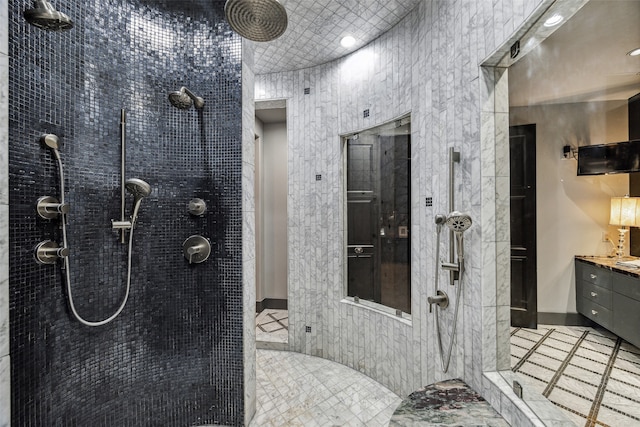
(610, 297)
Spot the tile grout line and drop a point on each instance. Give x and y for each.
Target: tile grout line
(515, 331)
(597, 401)
(563, 365)
(531, 351)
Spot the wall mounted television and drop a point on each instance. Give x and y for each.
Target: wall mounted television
(619, 157)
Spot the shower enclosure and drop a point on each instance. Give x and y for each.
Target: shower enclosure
(378, 215)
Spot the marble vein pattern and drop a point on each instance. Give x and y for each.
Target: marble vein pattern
(450, 402)
(569, 366)
(299, 390)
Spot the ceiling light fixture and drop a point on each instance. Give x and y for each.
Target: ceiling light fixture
(554, 20)
(347, 41)
(634, 52)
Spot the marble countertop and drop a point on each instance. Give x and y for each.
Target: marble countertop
(610, 263)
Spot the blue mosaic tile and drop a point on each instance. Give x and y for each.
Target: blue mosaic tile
(174, 355)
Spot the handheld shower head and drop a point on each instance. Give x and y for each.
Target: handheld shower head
(138, 188)
(184, 98)
(458, 222)
(44, 16)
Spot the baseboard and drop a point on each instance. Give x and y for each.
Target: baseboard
(564, 319)
(272, 303)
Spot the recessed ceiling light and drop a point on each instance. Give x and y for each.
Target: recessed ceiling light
(634, 52)
(347, 41)
(553, 21)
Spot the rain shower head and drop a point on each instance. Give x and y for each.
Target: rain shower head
(458, 222)
(184, 98)
(44, 16)
(138, 188)
(257, 20)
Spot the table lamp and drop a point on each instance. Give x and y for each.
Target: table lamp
(625, 212)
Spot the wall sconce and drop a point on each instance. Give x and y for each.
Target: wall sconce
(625, 212)
(568, 152)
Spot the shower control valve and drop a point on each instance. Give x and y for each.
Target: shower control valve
(197, 207)
(196, 249)
(48, 252)
(441, 298)
(48, 207)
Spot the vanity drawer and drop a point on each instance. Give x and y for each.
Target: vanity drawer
(596, 275)
(627, 285)
(596, 294)
(599, 314)
(626, 318)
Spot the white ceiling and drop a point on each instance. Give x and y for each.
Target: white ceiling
(584, 60)
(316, 27)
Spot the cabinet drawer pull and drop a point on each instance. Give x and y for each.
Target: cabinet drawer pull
(595, 313)
(594, 294)
(593, 276)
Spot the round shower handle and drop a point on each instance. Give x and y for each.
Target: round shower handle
(197, 207)
(196, 249)
(48, 252)
(48, 207)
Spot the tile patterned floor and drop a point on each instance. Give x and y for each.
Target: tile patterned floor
(272, 326)
(591, 374)
(294, 389)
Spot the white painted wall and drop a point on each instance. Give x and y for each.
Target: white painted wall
(572, 211)
(274, 178)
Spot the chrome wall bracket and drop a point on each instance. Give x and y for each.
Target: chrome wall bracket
(197, 207)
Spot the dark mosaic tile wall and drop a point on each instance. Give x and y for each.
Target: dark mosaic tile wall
(174, 355)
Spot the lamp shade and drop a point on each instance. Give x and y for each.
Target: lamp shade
(625, 211)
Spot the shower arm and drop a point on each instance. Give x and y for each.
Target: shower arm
(452, 266)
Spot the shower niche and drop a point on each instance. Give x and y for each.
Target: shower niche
(378, 211)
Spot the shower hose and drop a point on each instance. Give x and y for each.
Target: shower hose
(445, 363)
(66, 259)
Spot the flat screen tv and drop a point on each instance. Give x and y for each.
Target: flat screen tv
(619, 157)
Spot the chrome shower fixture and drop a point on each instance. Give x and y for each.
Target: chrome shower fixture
(458, 222)
(184, 98)
(257, 20)
(138, 188)
(44, 16)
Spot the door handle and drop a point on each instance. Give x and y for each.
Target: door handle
(593, 276)
(358, 250)
(595, 313)
(594, 294)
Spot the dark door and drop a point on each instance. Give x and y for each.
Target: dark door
(362, 219)
(522, 153)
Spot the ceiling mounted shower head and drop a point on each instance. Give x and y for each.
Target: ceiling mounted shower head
(458, 222)
(257, 20)
(184, 98)
(44, 16)
(138, 188)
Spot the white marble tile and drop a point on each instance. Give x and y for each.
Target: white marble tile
(4, 25)
(5, 392)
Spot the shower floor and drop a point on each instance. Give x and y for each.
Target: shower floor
(591, 374)
(294, 389)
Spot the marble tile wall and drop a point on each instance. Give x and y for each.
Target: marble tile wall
(5, 371)
(429, 64)
(248, 231)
